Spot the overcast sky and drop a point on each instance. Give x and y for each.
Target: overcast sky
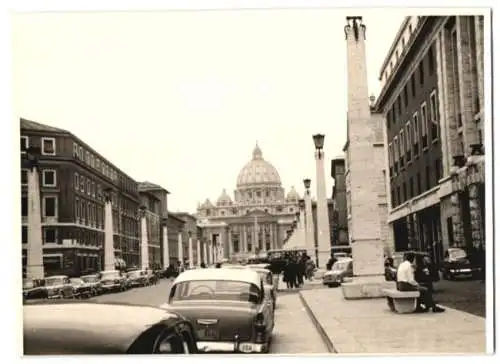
(179, 98)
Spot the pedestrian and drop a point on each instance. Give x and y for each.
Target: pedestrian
(218, 265)
(331, 262)
(203, 265)
(425, 273)
(301, 271)
(406, 282)
(309, 268)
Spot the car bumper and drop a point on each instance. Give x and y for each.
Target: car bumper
(457, 272)
(231, 347)
(110, 287)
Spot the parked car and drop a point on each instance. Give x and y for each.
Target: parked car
(33, 289)
(419, 255)
(58, 287)
(113, 281)
(137, 278)
(81, 289)
(458, 264)
(94, 282)
(75, 328)
(340, 270)
(270, 284)
(227, 307)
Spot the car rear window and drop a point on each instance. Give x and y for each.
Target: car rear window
(215, 290)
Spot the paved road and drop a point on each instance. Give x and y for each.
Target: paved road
(294, 332)
(463, 295)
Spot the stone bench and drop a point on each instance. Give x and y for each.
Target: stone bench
(401, 302)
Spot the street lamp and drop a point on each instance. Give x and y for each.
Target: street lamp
(34, 254)
(302, 204)
(307, 184)
(319, 141)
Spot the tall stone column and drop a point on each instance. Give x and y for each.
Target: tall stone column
(34, 267)
(244, 239)
(255, 240)
(271, 235)
(476, 218)
(180, 249)
(205, 252)
(456, 210)
(230, 243)
(190, 250)
(198, 253)
(144, 239)
(309, 222)
(109, 249)
(166, 248)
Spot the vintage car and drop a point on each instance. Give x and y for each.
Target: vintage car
(228, 308)
(458, 264)
(33, 289)
(94, 282)
(73, 328)
(58, 287)
(81, 289)
(137, 278)
(113, 281)
(270, 284)
(340, 270)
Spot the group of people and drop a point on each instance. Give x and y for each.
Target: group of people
(415, 273)
(296, 269)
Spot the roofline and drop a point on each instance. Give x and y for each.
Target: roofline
(393, 45)
(172, 215)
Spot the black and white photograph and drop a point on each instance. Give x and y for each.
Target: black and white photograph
(312, 180)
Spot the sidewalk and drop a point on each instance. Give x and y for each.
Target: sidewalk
(368, 327)
(315, 283)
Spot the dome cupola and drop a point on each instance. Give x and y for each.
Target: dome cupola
(292, 195)
(258, 172)
(224, 199)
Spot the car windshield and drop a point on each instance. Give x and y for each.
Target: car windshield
(135, 273)
(341, 265)
(457, 254)
(90, 279)
(109, 275)
(54, 281)
(215, 290)
(76, 281)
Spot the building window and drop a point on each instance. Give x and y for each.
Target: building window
(403, 41)
(80, 153)
(99, 192)
(398, 196)
(24, 206)
(75, 150)
(48, 146)
(438, 170)
(393, 113)
(416, 135)
(434, 116)
(405, 192)
(258, 194)
(411, 187)
(25, 143)
(408, 142)
(391, 159)
(98, 164)
(50, 206)
(393, 198)
(249, 195)
(24, 234)
(419, 184)
(427, 178)
(430, 55)
(421, 74)
(82, 183)
(76, 181)
(93, 189)
(290, 209)
(405, 97)
(89, 186)
(83, 214)
(49, 235)
(77, 208)
(396, 154)
(424, 119)
(24, 177)
(49, 178)
(400, 109)
(397, 55)
(413, 88)
(89, 214)
(401, 149)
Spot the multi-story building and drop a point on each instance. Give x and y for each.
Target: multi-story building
(154, 199)
(339, 219)
(432, 100)
(73, 177)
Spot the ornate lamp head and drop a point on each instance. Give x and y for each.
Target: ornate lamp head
(319, 141)
(142, 209)
(107, 194)
(302, 204)
(307, 183)
(164, 221)
(33, 155)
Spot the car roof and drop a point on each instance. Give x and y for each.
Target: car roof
(220, 274)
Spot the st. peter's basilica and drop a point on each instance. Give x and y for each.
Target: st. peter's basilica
(256, 219)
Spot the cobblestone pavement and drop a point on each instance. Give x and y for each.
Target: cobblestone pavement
(294, 331)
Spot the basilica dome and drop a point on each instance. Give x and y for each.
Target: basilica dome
(258, 172)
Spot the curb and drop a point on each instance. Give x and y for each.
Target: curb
(326, 339)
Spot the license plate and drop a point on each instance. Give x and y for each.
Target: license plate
(207, 333)
(246, 348)
(467, 270)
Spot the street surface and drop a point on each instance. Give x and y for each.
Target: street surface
(464, 295)
(294, 331)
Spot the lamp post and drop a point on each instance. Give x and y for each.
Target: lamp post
(34, 258)
(309, 223)
(198, 252)
(166, 248)
(324, 246)
(144, 239)
(190, 250)
(109, 248)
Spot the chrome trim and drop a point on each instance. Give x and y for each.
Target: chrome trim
(207, 321)
(230, 347)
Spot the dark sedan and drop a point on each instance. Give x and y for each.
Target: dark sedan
(69, 328)
(137, 278)
(34, 289)
(458, 264)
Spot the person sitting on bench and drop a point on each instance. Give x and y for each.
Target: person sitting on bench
(406, 282)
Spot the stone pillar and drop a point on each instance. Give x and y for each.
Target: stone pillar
(166, 248)
(34, 266)
(205, 252)
(244, 239)
(309, 222)
(180, 249)
(230, 243)
(190, 251)
(479, 30)
(198, 253)
(144, 240)
(456, 210)
(109, 249)
(255, 235)
(271, 235)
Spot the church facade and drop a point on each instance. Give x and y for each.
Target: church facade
(256, 219)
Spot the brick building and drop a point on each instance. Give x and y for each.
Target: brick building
(73, 177)
(339, 227)
(432, 100)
